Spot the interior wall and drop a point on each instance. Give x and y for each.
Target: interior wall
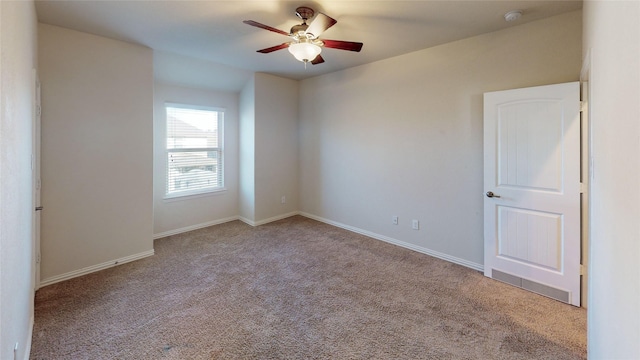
(180, 214)
(169, 68)
(612, 54)
(97, 152)
(403, 136)
(18, 46)
(246, 139)
(276, 147)
(268, 149)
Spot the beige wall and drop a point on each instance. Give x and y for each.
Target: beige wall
(182, 214)
(276, 146)
(403, 136)
(97, 151)
(19, 56)
(246, 142)
(268, 149)
(169, 68)
(612, 62)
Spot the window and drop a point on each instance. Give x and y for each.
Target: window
(194, 150)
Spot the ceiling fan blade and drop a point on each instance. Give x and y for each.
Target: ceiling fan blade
(274, 48)
(317, 60)
(343, 45)
(321, 23)
(266, 27)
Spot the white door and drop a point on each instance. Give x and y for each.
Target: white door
(532, 189)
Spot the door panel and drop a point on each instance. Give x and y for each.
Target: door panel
(532, 169)
(528, 155)
(530, 237)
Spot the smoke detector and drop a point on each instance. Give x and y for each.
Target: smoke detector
(513, 15)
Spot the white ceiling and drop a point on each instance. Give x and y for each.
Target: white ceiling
(213, 30)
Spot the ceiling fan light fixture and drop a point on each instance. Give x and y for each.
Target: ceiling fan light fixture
(304, 51)
(305, 44)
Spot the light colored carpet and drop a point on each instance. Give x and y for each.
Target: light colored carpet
(297, 289)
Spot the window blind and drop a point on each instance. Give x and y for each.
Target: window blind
(194, 150)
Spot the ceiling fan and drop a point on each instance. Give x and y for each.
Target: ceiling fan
(306, 46)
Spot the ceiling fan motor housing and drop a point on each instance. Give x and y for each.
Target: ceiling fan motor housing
(304, 13)
(300, 29)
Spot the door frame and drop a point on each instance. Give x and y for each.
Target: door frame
(37, 182)
(586, 162)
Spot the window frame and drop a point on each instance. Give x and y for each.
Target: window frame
(184, 194)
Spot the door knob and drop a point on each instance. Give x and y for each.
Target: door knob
(490, 194)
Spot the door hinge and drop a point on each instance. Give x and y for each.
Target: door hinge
(583, 188)
(38, 258)
(583, 106)
(583, 270)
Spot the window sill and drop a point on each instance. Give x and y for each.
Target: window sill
(193, 195)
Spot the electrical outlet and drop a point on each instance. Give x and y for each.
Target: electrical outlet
(415, 225)
(283, 199)
(394, 220)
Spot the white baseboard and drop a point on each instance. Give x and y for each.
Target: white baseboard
(94, 268)
(108, 264)
(194, 227)
(27, 349)
(403, 244)
(266, 221)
